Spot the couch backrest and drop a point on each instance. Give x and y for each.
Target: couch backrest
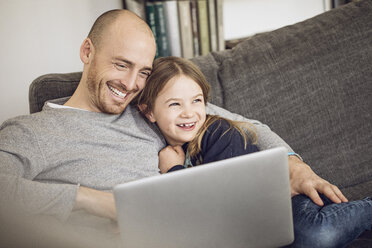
(312, 84)
(51, 86)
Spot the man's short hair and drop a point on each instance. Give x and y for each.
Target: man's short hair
(101, 25)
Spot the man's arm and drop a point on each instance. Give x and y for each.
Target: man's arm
(266, 138)
(96, 202)
(21, 160)
(303, 180)
(34, 198)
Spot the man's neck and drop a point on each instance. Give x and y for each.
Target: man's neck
(80, 100)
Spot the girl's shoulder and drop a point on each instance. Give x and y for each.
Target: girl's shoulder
(220, 124)
(218, 128)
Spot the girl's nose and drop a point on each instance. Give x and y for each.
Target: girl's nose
(187, 112)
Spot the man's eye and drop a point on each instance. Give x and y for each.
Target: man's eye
(120, 66)
(145, 74)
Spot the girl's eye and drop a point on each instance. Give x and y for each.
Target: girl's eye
(198, 100)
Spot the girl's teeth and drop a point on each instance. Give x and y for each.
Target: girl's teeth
(187, 125)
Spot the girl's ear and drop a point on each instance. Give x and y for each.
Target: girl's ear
(149, 115)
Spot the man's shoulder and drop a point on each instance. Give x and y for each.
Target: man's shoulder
(27, 118)
(26, 123)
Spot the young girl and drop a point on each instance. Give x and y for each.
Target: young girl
(175, 97)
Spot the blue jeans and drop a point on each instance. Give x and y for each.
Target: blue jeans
(332, 225)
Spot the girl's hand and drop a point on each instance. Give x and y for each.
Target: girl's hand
(169, 157)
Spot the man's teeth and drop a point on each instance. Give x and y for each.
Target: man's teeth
(117, 92)
(187, 125)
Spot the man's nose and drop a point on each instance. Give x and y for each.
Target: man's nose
(130, 81)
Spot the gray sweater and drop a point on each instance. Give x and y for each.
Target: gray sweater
(45, 156)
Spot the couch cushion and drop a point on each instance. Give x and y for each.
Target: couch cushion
(312, 84)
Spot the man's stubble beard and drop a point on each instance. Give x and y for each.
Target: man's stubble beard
(96, 91)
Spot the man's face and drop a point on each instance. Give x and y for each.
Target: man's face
(119, 69)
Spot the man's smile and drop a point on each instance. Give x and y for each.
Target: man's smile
(117, 92)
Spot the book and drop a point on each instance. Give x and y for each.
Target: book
(161, 30)
(173, 29)
(186, 29)
(203, 27)
(195, 27)
(212, 24)
(150, 19)
(220, 32)
(136, 6)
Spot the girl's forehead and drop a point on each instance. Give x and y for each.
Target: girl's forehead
(181, 83)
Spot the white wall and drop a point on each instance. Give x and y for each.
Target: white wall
(39, 37)
(243, 18)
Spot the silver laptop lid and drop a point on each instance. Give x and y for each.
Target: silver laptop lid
(234, 203)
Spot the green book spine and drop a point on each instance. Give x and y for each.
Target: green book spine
(150, 19)
(161, 30)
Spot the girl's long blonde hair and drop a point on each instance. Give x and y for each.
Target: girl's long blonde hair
(166, 68)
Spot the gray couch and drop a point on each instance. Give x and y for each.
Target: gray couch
(310, 82)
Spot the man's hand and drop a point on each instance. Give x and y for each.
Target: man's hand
(169, 157)
(96, 202)
(303, 180)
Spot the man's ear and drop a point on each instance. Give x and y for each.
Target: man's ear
(86, 50)
(149, 115)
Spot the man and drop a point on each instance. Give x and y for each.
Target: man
(69, 156)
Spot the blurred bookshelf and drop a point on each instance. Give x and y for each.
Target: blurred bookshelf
(184, 28)
(191, 28)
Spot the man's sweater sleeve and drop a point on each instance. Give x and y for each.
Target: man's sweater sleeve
(266, 138)
(21, 160)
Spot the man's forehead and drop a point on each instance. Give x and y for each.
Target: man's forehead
(129, 44)
(130, 49)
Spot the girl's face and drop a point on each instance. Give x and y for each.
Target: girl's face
(179, 110)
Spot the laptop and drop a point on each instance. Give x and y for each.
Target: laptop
(234, 203)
